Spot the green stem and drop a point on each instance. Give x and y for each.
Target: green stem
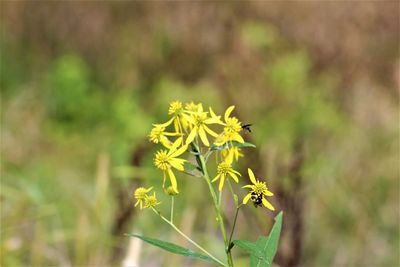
(188, 238)
(233, 227)
(172, 209)
(220, 220)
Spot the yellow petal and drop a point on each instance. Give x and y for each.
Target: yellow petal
(175, 146)
(192, 135)
(213, 120)
(180, 151)
(228, 112)
(176, 164)
(268, 193)
(166, 123)
(149, 189)
(215, 178)
(221, 182)
(267, 204)
(203, 136)
(251, 175)
(234, 176)
(246, 198)
(210, 132)
(238, 137)
(248, 186)
(172, 178)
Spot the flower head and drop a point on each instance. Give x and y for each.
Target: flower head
(224, 169)
(198, 121)
(140, 195)
(151, 201)
(158, 135)
(165, 160)
(175, 108)
(258, 192)
(231, 129)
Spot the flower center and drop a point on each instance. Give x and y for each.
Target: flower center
(259, 188)
(140, 193)
(232, 125)
(199, 118)
(224, 168)
(162, 160)
(175, 108)
(156, 133)
(150, 201)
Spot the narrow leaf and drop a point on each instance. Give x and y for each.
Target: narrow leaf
(173, 248)
(230, 144)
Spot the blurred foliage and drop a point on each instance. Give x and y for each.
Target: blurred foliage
(80, 93)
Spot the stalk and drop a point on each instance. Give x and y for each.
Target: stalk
(201, 161)
(188, 238)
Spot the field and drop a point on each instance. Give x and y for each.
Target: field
(82, 83)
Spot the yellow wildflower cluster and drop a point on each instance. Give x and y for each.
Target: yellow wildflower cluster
(191, 126)
(144, 200)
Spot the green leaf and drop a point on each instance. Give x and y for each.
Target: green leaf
(267, 245)
(270, 246)
(214, 147)
(245, 245)
(173, 248)
(263, 251)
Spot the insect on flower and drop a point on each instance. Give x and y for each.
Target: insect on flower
(258, 192)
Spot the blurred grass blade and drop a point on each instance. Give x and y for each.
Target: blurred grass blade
(173, 248)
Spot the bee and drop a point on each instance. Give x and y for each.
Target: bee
(246, 127)
(256, 199)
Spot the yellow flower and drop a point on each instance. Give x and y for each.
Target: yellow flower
(224, 169)
(232, 153)
(191, 106)
(158, 135)
(140, 195)
(151, 201)
(258, 192)
(165, 160)
(199, 121)
(178, 116)
(231, 129)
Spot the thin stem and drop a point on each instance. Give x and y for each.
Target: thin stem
(216, 207)
(172, 209)
(188, 238)
(233, 227)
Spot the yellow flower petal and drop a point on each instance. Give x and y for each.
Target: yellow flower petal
(234, 176)
(166, 123)
(267, 204)
(210, 132)
(203, 136)
(248, 186)
(269, 193)
(179, 152)
(246, 198)
(228, 112)
(175, 146)
(172, 178)
(221, 182)
(192, 135)
(238, 137)
(251, 175)
(216, 178)
(177, 164)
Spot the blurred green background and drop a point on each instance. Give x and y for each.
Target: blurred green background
(82, 83)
